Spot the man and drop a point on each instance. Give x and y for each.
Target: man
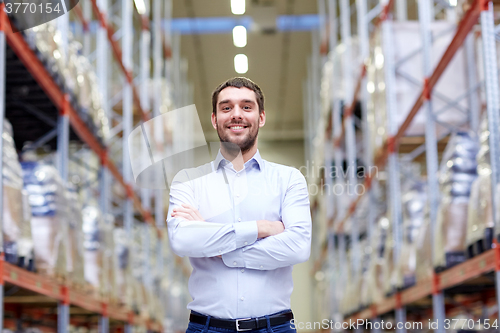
(244, 224)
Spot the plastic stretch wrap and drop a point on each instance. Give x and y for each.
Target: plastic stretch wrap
(110, 259)
(360, 217)
(480, 222)
(366, 256)
(136, 262)
(409, 78)
(72, 71)
(50, 216)
(353, 292)
(122, 267)
(389, 265)
(153, 275)
(348, 284)
(75, 262)
(99, 251)
(138, 259)
(18, 241)
(142, 273)
(176, 294)
(456, 175)
(359, 275)
(375, 272)
(424, 267)
(414, 214)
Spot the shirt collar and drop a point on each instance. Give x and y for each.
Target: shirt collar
(256, 158)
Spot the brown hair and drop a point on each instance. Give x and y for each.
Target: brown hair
(238, 82)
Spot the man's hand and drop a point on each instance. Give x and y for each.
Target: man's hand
(269, 228)
(187, 212)
(265, 228)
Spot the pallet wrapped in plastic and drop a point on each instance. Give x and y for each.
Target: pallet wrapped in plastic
(50, 216)
(359, 273)
(352, 285)
(74, 256)
(71, 71)
(130, 260)
(347, 304)
(409, 77)
(92, 245)
(143, 267)
(456, 175)
(375, 273)
(98, 251)
(154, 276)
(389, 285)
(122, 266)
(414, 203)
(110, 288)
(358, 263)
(177, 296)
(424, 267)
(480, 222)
(17, 238)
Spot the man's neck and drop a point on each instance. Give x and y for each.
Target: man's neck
(239, 160)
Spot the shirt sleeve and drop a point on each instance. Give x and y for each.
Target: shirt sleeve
(200, 238)
(290, 247)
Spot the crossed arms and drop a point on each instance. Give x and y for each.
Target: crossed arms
(261, 244)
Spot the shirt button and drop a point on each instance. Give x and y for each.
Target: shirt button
(220, 251)
(234, 263)
(242, 270)
(246, 243)
(237, 175)
(237, 195)
(239, 220)
(261, 267)
(242, 298)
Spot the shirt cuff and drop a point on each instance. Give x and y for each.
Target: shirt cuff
(246, 233)
(234, 258)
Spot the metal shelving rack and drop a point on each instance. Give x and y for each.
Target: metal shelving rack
(333, 247)
(70, 122)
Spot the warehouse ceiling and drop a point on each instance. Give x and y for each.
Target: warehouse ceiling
(277, 61)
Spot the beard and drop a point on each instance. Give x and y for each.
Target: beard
(235, 144)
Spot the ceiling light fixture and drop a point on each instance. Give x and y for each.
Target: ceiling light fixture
(238, 7)
(239, 36)
(240, 63)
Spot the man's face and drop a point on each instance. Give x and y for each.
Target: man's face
(238, 119)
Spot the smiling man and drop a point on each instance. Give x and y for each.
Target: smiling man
(244, 224)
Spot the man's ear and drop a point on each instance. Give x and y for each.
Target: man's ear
(214, 120)
(262, 118)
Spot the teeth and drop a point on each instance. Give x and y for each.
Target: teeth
(237, 127)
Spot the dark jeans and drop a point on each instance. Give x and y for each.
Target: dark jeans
(283, 328)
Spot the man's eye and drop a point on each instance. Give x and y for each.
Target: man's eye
(246, 107)
(226, 108)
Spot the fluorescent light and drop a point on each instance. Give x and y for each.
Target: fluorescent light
(141, 6)
(240, 63)
(239, 36)
(453, 3)
(238, 7)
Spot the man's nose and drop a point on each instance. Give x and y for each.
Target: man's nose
(237, 112)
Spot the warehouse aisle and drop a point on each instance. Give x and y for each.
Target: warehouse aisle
(368, 133)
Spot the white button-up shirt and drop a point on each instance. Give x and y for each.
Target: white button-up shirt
(254, 276)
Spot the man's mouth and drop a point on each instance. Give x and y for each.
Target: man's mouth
(237, 128)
